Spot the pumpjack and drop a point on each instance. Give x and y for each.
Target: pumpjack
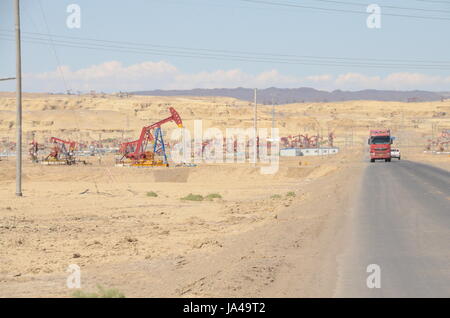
(135, 153)
(62, 152)
(34, 149)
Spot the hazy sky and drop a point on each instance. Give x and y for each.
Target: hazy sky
(180, 44)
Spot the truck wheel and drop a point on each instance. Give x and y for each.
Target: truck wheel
(372, 160)
(398, 158)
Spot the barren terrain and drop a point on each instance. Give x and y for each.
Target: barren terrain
(268, 235)
(89, 118)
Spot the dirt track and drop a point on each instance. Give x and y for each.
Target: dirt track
(164, 246)
(243, 245)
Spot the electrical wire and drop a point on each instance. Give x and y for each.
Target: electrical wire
(434, 1)
(382, 6)
(116, 48)
(230, 55)
(292, 5)
(53, 47)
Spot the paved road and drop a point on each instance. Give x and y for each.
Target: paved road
(401, 223)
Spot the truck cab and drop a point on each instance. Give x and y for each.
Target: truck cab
(380, 145)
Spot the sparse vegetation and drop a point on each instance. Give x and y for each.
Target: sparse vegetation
(193, 197)
(276, 196)
(152, 194)
(291, 194)
(213, 196)
(101, 293)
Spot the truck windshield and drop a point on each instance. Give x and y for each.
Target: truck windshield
(380, 140)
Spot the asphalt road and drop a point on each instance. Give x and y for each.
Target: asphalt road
(401, 222)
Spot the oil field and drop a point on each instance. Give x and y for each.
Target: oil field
(228, 153)
(101, 191)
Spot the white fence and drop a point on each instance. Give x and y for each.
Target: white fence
(293, 152)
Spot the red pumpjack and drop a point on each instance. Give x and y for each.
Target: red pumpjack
(135, 152)
(63, 152)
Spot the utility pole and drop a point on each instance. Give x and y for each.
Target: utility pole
(19, 102)
(273, 114)
(353, 134)
(255, 124)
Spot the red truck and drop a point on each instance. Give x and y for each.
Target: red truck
(380, 145)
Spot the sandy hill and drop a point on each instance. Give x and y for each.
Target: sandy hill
(88, 118)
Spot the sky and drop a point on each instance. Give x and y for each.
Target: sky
(183, 44)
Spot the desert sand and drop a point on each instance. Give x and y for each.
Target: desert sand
(90, 118)
(101, 217)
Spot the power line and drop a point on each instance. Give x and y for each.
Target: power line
(231, 51)
(215, 4)
(53, 46)
(434, 1)
(383, 6)
(117, 48)
(201, 52)
(18, 99)
(30, 17)
(292, 5)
